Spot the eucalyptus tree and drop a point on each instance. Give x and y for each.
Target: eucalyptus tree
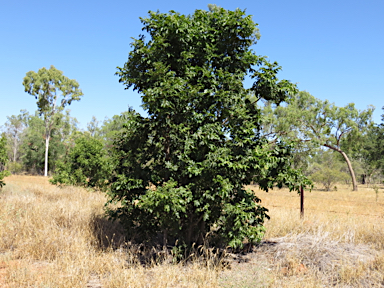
(317, 123)
(53, 92)
(181, 170)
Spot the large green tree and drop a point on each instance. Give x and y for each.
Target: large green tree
(181, 171)
(53, 92)
(315, 123)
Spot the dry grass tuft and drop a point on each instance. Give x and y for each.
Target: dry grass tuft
(58, 237)
(332, 262)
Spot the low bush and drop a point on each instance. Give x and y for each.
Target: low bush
(85, 165)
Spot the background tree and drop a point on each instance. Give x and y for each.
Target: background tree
(32, 148)
(64, 134)
(371, 151)
(326, 168)
(317, 123)
(13, 130)
(62, 138)
(53, 92)
(3, 159)
(112, 127)
(181, 171)
(93, 127)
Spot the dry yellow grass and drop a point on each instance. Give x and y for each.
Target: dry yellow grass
(347, 216)
(57, 237)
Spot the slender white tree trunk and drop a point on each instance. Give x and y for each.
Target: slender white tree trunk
(46, 155)
(14, 147)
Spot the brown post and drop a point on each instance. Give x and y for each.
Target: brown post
(301, 202)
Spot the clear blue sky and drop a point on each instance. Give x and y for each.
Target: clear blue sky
(332, 49)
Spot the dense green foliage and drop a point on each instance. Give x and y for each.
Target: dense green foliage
(181, 171)
(86, 165)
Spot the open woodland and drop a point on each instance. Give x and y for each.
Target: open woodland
(202, 190)
(58, 237)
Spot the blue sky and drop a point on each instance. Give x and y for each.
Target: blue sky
(332, 49)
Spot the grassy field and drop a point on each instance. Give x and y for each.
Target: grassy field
(57, 237)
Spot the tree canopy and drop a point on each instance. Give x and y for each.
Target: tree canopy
(315, 123)
(181, 171)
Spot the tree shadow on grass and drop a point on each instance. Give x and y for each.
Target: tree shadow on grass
(110, 234)
(107, 233)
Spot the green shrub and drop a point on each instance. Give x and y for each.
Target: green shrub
(15, 167)
(85, 165)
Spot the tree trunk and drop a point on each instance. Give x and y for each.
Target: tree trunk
(14, 154)
(165, 240)
(354, 183)
(46, 155)
(188, 236)
(363, 179)
(14, 149)
(200, 239)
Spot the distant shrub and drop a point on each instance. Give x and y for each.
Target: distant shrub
(327, 170)
(85, 165)
(328, 177)
(15, 167)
